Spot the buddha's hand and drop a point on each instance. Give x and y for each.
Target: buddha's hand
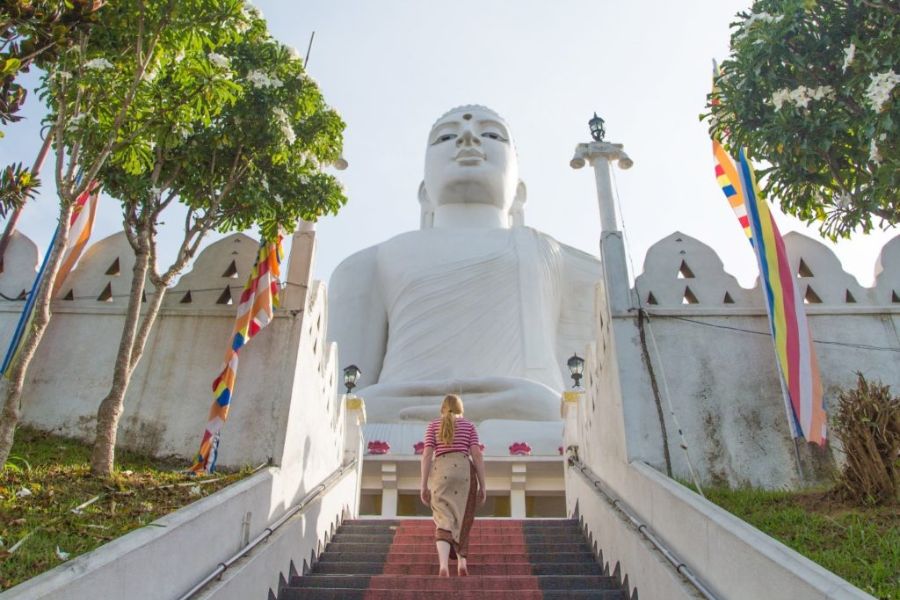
(425, 495)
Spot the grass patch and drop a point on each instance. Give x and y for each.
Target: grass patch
(56, 472)
(860, 544)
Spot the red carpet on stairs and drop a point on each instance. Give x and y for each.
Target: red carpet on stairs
(396, 559)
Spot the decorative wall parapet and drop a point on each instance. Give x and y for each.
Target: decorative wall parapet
(682, 272)
(20, 264)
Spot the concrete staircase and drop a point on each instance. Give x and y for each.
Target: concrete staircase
(522, 559)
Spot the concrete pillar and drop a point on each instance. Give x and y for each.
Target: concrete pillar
(299, 268)
(569, 410)
(612, 247)
(354, 419)
(389, 497)
(517, 491)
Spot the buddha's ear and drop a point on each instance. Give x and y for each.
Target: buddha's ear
(517, 210)
(427, 214)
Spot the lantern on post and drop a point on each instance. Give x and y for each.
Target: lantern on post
(351, 374)
(576, 368)
(597, 129)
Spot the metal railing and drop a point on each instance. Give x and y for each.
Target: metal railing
(310, 497)
(642, 527)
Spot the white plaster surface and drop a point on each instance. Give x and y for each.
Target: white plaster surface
(20, 264)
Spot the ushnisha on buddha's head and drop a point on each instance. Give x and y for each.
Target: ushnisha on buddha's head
(471, 170)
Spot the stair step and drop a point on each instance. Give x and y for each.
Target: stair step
(409, 558)
(474, 548)
(354, 594)
(475, 568)
(450, 584)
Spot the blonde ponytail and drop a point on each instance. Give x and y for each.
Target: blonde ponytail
(451, 407)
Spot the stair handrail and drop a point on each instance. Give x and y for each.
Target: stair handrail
(328, 483)
(603, 490)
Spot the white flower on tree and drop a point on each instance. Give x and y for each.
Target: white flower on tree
(849, 54)
(284, 124)
(98, 64)
(801, 96)
(218, 60)
(262, 80)
(879, 91)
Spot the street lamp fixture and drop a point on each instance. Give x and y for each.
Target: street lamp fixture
(576, 368)
(351, 374)
(597, 130)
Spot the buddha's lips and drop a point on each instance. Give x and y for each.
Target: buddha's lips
(469, 156)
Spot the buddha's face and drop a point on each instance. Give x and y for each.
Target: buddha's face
(470, 159)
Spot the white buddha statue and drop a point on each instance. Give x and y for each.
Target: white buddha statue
(473, 303)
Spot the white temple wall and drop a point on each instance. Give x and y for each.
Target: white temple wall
(283, 408)
(716, 357)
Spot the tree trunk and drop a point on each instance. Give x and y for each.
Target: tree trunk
(111, 407)
(12, 405)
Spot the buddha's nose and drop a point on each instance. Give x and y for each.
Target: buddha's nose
(468, 138)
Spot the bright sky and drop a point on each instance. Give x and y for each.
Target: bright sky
(392, 67)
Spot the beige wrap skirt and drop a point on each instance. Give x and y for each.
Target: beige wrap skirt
(454, 487)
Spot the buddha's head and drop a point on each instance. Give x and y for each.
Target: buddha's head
(471, 160)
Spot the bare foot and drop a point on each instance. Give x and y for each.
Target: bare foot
(443, 572)
(461, 567)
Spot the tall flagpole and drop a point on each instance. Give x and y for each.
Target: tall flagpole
(14, 218)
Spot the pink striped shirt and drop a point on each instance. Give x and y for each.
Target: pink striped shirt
(464, 437)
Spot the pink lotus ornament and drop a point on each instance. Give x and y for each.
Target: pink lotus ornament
(520, 449)
(379, 447)
(419, 447)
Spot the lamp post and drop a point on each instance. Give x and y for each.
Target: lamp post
(351, 374)
(600, 154)
(576, 368)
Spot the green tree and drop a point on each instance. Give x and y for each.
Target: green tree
(238, 136)
(811, 89)
(96, 91)
(32, 32)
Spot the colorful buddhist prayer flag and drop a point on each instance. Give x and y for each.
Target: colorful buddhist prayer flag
(726, 173)
(258, 301)
(81, 223)
(797, 361)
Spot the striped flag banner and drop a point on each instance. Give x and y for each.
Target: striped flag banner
(81, 223)
(258, 301)
(726, 174)
(797, 362)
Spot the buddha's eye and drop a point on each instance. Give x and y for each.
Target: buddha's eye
(444, 138)
(494, 136)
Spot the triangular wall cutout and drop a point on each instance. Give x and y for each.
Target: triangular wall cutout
(689, 297)
(684, 271)
(803, 270)
(728, 299)
(23, 295)
(651, 299)
(231, 271)
(106, 294)
(894, 297)
(186, 299)
(225, 297)
(113, 268)
(811, 296)
(70, 295)
(849, 299)
(143, 296)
